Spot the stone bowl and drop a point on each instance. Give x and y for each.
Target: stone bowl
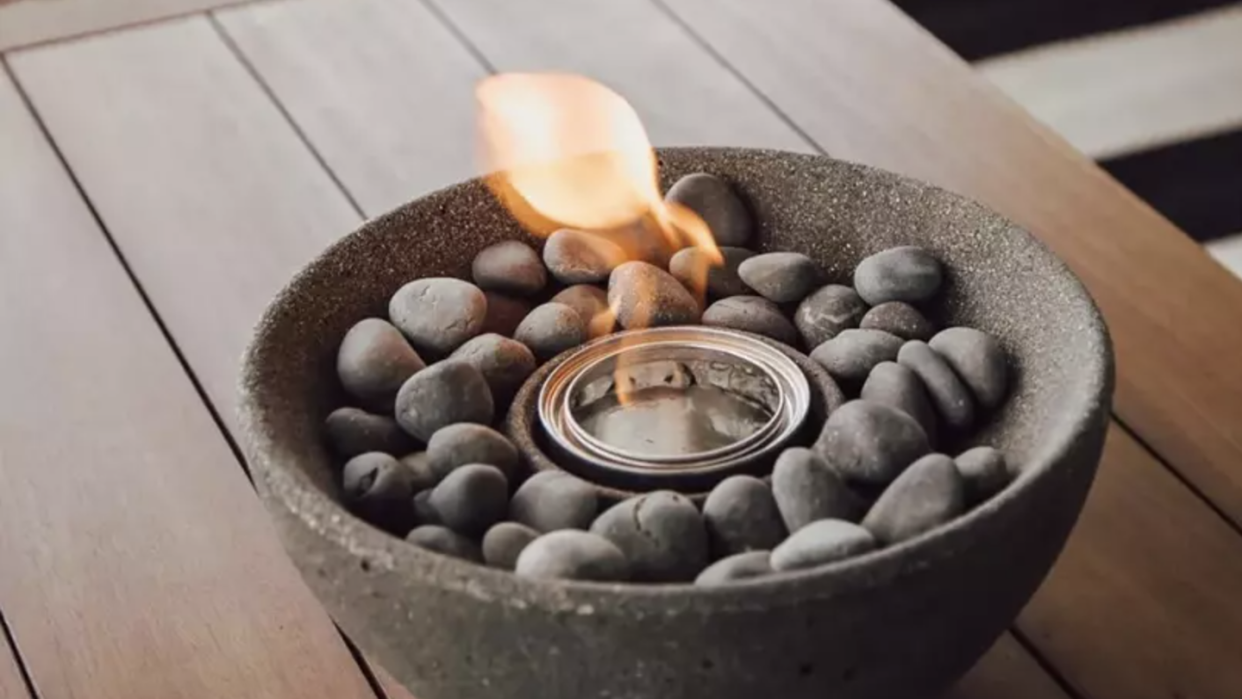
(905, 621)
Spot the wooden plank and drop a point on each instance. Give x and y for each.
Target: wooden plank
(137, 563)
(28, 22)
(869, 85)
(357, 78)
(1144, 602)
(12, 686)
(1006, 672)
(209, 193)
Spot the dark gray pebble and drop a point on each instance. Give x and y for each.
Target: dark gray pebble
(661, 534)
(927, 495)
(581, 257)
(511, 267)
(717, 203)
(645, 296)
(948, 394)
(551, 329)
(806, 489)
(443, 394)
(422, 476)
(820, 543)
(695, 266)
(379, 488)
(740, 566)
(570, 554)
(752, 314)
(783, 277)
(373, 361)
(852, 354)
(552, 500)
(468, 443)
(741, 515)
(978, 360)
(471, 498)
(438, 314)
(504, 313)
(897, 386)
(984, 470)
(907, 273)
(826, 312)
(424, 513)
(505, 363)
(443, 540)
(504, 542)
(353, 431)
(869, 442)
(900, 319)
(591, 303)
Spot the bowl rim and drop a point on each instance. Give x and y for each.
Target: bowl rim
(336, 525)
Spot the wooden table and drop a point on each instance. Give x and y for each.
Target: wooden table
(159, 182)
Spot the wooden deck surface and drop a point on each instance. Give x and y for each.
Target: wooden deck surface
(160, 181)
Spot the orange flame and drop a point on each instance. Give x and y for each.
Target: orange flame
(563, 151)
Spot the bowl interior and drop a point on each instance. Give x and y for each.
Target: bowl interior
(999, 279)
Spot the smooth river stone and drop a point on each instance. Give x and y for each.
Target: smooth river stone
(469, 443)
(551, 329)
(822, 542)
(740, 566)
(806, 489)
(826, 312)
(438, 314)
(851, 355)
(783, 277)
(552, 500)
(870, 442)
(591, 303)
(504, 542)
(741, 515)
(442, 540)
(374, 359)
(378, 488)
(717, 203)
(930, 493)
(661, 534)
(444, 394)
(978, 360)
(645, 296)
(504, 362)
(900, 319)
(504, 313)
(984, 470)
(354, 431)
(580, 257)
(897, 386)
(510, 267)
(471, 498)
(690, 265)
(751, 314)
(908, 273)
(948, 394)
(570, 554)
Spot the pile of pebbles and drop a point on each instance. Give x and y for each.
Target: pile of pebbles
(422, 460)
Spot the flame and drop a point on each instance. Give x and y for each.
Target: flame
(563, 151)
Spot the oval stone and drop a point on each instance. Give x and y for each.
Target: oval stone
(551, 329)
(740, 566)
(471, 498)
(645, 296)
(783, 277)
(443, 394)
(978, 360)
(717, 203)
(591, 303)
(806, 489)
(852, 354)
(870, 443)
(443, 540)
(580, 257)
(826, 312)
(695, 268)
(928, 494)
(504, 363)
(511, 267)
(741, 515)
(907, 273)
(552, 500)
(438, 314)
(900, 319)
(948, 394)
(820, 543)
(504, 542)
(753, 314)
(661, 534)
(378, 488)
(570, 554)
(897, 386)
(354, 431)
(467, 443)
(373, 361)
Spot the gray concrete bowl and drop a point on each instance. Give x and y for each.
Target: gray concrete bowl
(902, 622)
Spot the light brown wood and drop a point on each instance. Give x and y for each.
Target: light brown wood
(135, 561)
(1006, 672)
(209, 193)
(11, 684)
(1144, 602)
(869, 85)
(27, 22)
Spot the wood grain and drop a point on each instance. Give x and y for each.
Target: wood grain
(12, 686)
(1144, 603)
(210, 195)
(137, 563)
(869, 85)
(28, 22)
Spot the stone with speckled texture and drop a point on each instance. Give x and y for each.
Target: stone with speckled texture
(900, 319)
(753, 314)
(438, 314)
(943, 599)
(645, 296)
(827, 311)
